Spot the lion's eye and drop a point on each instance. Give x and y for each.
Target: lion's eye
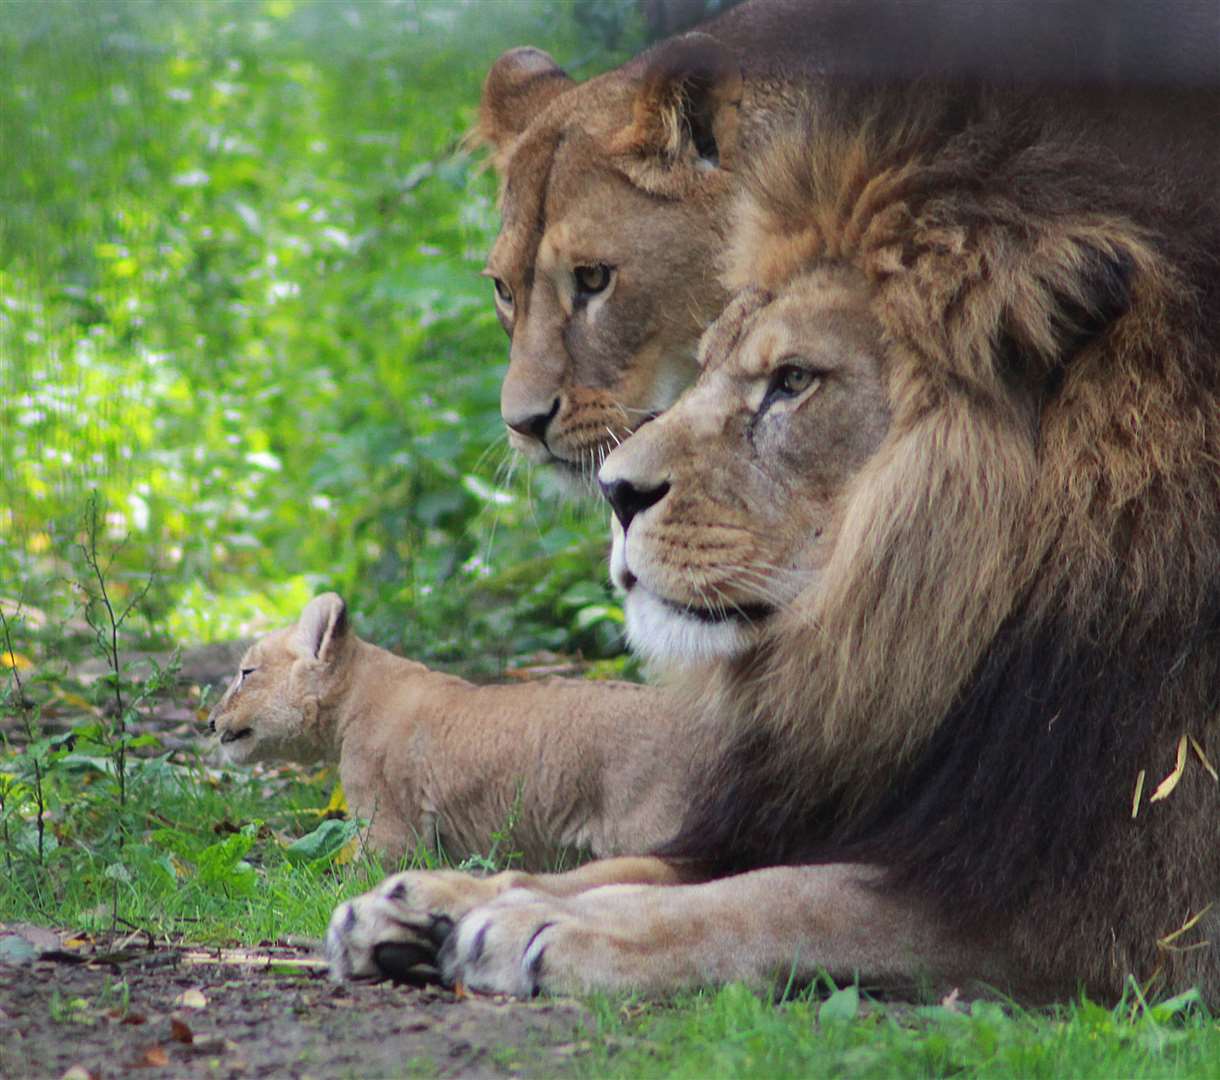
(503, 292)
(248, 671)
(590, 280)
(791, 380)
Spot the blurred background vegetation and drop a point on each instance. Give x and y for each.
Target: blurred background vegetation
(239, 298)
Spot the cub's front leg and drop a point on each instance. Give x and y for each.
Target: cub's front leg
(396, 929)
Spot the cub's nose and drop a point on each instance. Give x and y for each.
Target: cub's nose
(628, 500)
(532, 425)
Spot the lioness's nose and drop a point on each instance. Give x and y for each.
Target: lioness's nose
(532, 425)
(629, 500)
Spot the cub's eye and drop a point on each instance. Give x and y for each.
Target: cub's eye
(590, 280)
(503, 293)
(790, 381)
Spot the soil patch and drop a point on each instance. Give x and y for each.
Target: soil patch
(188, 1012)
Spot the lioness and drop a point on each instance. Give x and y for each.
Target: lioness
(938, 529)
(430, 758)
(615, 192)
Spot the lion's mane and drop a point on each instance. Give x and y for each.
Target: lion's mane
(1021, 621)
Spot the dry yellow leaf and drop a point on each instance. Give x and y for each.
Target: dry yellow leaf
(338, 801)
(191, 999)
(11, 660)
(1203, 758)
(348, 851)
(1166, 786)
(1139, 790)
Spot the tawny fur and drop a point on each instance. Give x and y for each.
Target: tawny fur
(636, 170)
(435, 762)
(1040, 522)
(1006, 616)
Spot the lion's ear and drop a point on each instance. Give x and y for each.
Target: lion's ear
(685, 112)
(321, 628)
(517, 88)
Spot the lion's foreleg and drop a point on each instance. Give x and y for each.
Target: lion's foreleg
(398, 926)
(764, 927)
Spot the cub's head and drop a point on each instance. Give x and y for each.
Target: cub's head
(270, 712)
(613, 203)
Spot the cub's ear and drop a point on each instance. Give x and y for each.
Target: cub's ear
(685, 112)
(321, 628)
(518, 87)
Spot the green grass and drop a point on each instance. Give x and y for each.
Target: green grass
(732, 1032)
(240, 297)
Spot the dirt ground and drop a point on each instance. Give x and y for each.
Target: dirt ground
(93, 1009)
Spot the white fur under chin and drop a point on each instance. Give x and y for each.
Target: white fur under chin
(665, 638)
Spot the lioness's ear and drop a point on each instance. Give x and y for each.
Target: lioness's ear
(518, 87)
(685, 112)
(321, 627)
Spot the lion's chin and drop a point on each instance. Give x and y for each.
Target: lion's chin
(668, 638)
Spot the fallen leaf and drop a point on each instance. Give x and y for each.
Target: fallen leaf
(1166, 786)
(78, 1072)
(1211, 769)
(133, 1018)
(180, 1031)
(39, 937)
(16, 660)
(152, 1058)
(191, 999)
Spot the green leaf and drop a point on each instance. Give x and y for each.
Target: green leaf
(1174, 1005)
(221, 863)
(841, 1005)
(323, 843)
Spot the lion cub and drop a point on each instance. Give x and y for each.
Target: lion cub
(430, 757)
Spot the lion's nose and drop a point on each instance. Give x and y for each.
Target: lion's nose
(629, 500)
(533, 426)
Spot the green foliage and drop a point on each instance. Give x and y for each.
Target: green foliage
(240, 296)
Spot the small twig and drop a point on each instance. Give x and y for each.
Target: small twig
(31, 735)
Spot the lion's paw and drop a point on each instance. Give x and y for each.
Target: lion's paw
(510, 946)
(396, 929)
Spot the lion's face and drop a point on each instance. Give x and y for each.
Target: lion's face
(727, 506)
(613, 202)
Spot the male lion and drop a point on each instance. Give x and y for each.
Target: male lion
(428, 758)
(938, 533)
(615, 192)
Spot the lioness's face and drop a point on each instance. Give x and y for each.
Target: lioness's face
(613, 204)
(727, 506)
(603, 291)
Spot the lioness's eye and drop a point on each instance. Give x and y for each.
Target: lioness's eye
(248, 671)
(590, 280)
(503, 292)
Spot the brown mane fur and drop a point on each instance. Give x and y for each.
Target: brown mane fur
(1022, 614)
